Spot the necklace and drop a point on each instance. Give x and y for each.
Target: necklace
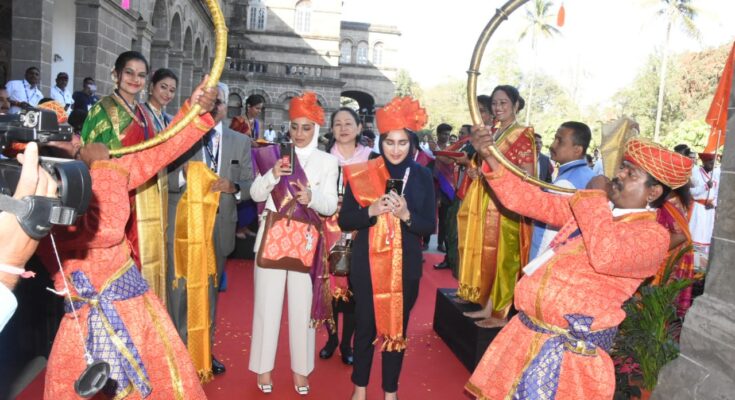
(158, 118)
(132, 110)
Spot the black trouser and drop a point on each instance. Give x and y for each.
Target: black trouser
(365, 333)
(348, 325)
(441, 237)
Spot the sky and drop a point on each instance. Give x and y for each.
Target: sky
(602, 45)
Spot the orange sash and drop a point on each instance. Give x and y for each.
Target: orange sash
(367, 181)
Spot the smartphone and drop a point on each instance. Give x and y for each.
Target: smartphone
(394, 185)
(287, 156)
(340, 182)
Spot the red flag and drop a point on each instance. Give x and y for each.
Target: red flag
(560, 16)
(717, 114)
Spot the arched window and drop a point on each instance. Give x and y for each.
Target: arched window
(378, 54)
(303, 17)
(257, 15)
(362, 53)
(345, 52)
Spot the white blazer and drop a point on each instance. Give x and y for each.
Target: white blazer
(322, 170)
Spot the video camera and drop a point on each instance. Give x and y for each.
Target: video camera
(36, 214)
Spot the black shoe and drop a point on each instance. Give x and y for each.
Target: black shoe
(217, 367)
(441, 247)
(441, 265)
(327, 350)
(347, 356)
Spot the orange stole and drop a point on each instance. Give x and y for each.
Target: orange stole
(194, 260)
(367, 181)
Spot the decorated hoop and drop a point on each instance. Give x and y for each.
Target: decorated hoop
(501, 14)
(220, 52)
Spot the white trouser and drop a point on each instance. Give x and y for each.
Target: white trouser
(269, 291)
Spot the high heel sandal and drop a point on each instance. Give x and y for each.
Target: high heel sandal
(302, 390)
(266, 388)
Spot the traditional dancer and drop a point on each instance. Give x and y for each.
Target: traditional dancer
(570, 299)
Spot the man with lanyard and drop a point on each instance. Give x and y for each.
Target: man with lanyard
(227, 154)
(704, 187)
(570, 299)
(60, 93)
(568, 149)
(25, 93)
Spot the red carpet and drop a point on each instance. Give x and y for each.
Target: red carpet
(430, 370)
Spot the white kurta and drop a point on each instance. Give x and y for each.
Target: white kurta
(271, 284)
(702, 220)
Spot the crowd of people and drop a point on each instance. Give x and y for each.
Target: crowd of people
(143, 266)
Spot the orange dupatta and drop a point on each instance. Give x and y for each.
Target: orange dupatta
(367, 181)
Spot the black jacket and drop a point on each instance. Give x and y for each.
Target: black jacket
(419, 194)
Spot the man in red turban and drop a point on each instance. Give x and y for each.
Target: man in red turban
(570, 299)
(704, 188)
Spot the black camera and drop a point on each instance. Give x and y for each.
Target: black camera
(37, 214)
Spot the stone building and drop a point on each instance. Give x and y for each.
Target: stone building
(277, 48)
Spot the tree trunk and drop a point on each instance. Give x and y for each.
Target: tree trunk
(529, 101)
(662, 81)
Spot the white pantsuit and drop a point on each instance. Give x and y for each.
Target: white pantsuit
(271, 285)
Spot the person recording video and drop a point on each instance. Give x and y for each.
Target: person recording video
(17, 246)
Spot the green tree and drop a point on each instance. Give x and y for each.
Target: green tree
(406, 86)
(538, 18)
(677, 13)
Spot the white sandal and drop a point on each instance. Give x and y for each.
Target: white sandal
(302, 390)
(266, 388)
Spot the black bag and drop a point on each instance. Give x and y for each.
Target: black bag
(339, 257)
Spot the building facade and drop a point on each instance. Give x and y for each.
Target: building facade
(276, 48)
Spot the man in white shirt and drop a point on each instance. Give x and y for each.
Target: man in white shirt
(17, 247)
(25, 93)
(704, 187)
(270, 134)
(60, 93)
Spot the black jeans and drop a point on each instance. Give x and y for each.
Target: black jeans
(365, 333)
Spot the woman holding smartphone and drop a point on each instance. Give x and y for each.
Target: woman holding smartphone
(390, 203)
(310, 179)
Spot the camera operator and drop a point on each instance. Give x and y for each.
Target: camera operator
(17, 246)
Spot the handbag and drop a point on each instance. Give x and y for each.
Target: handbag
(288, 242)
(339, 257)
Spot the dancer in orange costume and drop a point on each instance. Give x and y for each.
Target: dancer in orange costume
(570, 298)
(123, 323)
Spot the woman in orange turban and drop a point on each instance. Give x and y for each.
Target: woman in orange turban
(386, 253)
(313, 183)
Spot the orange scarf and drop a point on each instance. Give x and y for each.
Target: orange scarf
(367, 181)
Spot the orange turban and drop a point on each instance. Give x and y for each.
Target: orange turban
(668, 167)
(401, 113)
(57, 108)
(707, 156)
(306, 106)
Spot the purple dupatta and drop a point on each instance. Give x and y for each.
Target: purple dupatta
(264, 158)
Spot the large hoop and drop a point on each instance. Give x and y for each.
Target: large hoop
(501, 14)
(220, 52)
